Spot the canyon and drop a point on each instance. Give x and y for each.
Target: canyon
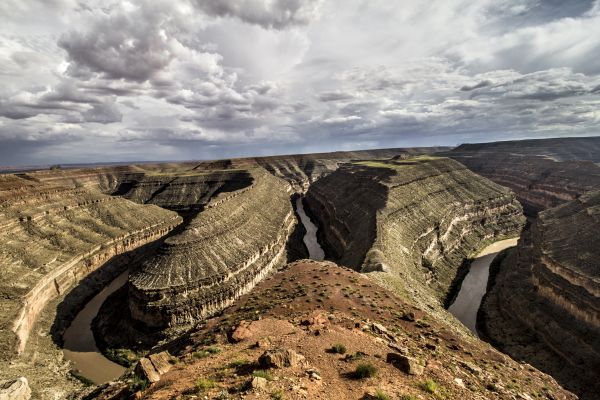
(211, 249)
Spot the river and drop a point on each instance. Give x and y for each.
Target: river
(315, 251)
(80, 345)
(473, 288)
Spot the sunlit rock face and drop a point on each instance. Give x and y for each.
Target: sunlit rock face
(223, 252)
(545, 304)
(542, 173)
(52, 236)
(411, 222)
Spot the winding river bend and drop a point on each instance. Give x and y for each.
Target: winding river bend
(474, 285)
(79, 343)
(315, 251)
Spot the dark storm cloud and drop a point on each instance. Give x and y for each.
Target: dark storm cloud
(120, 45)
(278, 14)
(479, 85)
(105, 113)
(207, 79)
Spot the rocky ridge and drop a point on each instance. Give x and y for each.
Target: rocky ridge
(545, 304)
(52, 237)
(542, 173)
(221, 254)
(318, 331)
(412, 222)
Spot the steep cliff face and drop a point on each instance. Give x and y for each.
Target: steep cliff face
(300, 170)
(413, 221)
(543, 173)
(545, 304)
(558, 149)
(287, 328)
(223, 252)
(185, 191)
(53, 236)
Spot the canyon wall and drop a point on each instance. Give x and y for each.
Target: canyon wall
(412, 222)
(52, 237)
(542, 173)
(545, 304)
(222, 253)
(300, 170)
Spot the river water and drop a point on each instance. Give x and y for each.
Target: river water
(315, 251)
(473, 288)
(80, 345)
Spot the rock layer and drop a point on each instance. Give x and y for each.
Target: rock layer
(52, 236)
(543, 173)
(414, 221)
(223, 252)
(545, 304)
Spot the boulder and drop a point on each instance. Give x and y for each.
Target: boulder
(161, 362)
(258, 383)
(16, 389)
(242, 332)
(146, 370)
(280, 358)
(405, 364)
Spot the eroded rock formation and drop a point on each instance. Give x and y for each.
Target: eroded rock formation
(223, 252)
(543, 173)
(413, 221)
(545, 304)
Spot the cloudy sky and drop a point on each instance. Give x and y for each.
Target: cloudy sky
(118, 80)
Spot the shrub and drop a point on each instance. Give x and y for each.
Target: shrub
(139, 384)
(364, 370)
(200, 354)
(277, 395)
(338, 348)
(204, 384)
(213, 349)
(380, 395)
(430, 386)
(262, 374)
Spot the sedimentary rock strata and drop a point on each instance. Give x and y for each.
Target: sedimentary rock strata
(545, 304)
(543, 173)
(300, 170)
(52, 236)
(223, 252)
(413, 221)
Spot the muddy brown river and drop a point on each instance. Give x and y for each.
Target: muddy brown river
(80, 345)
(474, 285)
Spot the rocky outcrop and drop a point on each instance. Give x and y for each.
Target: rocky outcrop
(188, 191)
(413, 221)
(52, 237)
(223, 252)
(17, 389)
(542, 173)
(300, 170)
(545, 304)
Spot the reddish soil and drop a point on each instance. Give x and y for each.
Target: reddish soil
(308, 307)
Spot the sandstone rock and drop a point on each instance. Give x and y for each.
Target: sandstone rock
(263, 342)
(280, 358)
(161, 362)
(378, 328)
(144, 369)
(17, 389)
(259, 383)
(242, 332)
(471, 367)
(406, 364)
(316, 319)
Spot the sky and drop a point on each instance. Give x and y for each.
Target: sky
(124, 80)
